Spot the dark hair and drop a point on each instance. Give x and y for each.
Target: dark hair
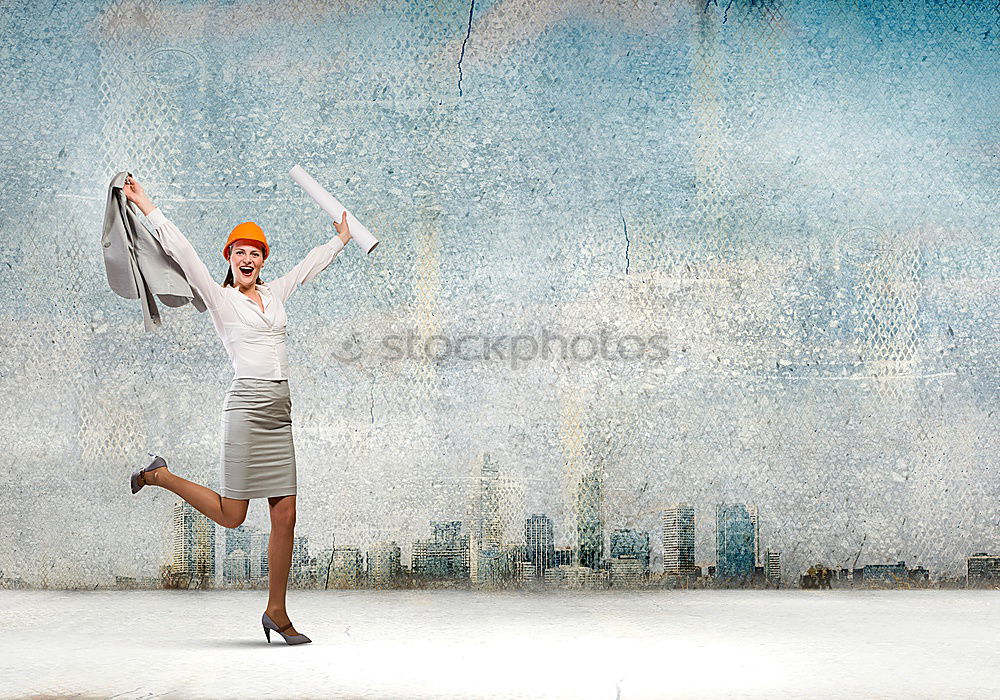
(229, 282)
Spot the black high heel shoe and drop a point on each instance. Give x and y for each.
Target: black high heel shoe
(138, 481)
(269, 625)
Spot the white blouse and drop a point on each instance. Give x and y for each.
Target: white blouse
(254, 340)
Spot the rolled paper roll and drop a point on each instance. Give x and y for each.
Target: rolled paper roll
(328, 203)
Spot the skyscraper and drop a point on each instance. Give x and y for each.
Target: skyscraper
(589, 527)
(486, 522)
(496, 509)
(193, 551)
(755, 521)
(541, 543)
(678, 540)
(734, 543)
(384, 567)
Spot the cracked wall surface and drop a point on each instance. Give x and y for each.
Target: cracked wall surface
(685, 252)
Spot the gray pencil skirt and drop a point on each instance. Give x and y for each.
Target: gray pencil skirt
(258, 457)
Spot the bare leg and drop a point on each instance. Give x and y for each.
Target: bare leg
(228, 512)
(279, 557)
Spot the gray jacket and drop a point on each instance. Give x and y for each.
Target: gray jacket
(136, 264)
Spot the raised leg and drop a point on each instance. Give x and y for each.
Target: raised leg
(228, 512)
(279, 557)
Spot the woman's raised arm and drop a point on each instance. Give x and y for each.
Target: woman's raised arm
(316, 261)
(176, 245)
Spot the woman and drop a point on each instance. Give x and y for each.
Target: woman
(258, 459)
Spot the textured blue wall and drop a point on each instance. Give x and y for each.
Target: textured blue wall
(795, 199)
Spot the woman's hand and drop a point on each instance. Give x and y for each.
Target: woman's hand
(342, 229)
(135, 194)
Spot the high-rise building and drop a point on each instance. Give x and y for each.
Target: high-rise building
(772, 567)
(983, 570)
(589, 525)
(755, 521)
(486, 524)
(193, 552)
(734, 543)
(384, 564)
(444, 556)
(540, 543)
(496, 509)
(631, 542)
(678, 540)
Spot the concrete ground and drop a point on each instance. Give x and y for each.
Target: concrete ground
(462, 644)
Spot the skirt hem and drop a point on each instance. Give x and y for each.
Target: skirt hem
(256, 494)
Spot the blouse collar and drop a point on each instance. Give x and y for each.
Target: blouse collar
(262, 289)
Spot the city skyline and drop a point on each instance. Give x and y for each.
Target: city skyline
(491, 512)
(451, 556)
(493, 496)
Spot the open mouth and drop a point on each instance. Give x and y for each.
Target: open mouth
(247, 271)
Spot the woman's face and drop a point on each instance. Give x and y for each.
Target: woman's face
(246, 258)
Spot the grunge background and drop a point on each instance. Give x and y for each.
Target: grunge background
(798, 199)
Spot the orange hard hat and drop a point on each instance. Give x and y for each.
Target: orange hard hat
(247, 230)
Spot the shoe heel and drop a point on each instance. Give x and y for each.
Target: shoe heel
(268, 624)
(137, 481)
